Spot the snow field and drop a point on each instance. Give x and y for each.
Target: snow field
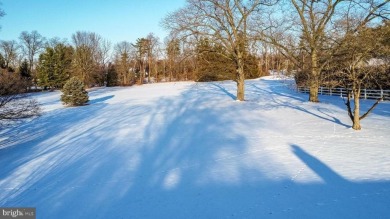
(188, 150)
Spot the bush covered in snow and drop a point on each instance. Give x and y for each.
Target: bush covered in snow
(74, 93)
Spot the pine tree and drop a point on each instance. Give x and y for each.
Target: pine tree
(141, 48)
(212, 62)
(45, 70)
(2, 62)
(112, 76)
(24, 70)
(54, 66)
(73, 93)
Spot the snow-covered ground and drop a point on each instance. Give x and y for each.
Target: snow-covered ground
(188, 150)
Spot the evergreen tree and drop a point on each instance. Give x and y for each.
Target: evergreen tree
(55, 66)
(214, 62)
(24, 70)
(2, 62)
(45, 70)
(73, 93)
(63, 64)
(112, 76)
(141, 52)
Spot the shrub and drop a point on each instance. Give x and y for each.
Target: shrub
(14, 102)
(73, 93)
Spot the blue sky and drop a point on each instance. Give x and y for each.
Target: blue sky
(114, 20)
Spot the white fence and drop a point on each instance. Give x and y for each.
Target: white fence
(342, 92)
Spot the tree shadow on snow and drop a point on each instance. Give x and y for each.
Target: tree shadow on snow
(184, 156)
(234, 97)
(322, 170)
(358, 199)
(272, 99)
(101, 99)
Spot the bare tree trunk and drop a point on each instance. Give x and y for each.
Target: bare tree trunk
(313, 96)
(240, 80)
(141, 75)
(313, 79)
(356, 110)
(355, 115)
(185, 71)
(266, 61)
(165, 75)
(149, 67)
(170, 71)
(125, 80)
(156, 71)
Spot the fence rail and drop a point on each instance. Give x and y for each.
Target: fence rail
(342, 92)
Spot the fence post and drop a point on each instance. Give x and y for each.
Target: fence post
(381, 93)
(341, 92)
(365, 94)
(330, 91)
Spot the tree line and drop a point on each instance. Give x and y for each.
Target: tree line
(50, 63)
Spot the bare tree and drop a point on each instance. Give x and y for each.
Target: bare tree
(263, 52)
(172, 54)
(104, 51)
(311, 29)
(304, 29)
(159, 62)
(103, 60)
(32, 43)
(352, 61)
(123, 54)
(223, 21)
(83, 64)
(53, 42)
(152, 50)
(188, 58)
(9, 49)
(88, 53)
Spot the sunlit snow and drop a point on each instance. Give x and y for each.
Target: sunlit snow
(189, 150)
